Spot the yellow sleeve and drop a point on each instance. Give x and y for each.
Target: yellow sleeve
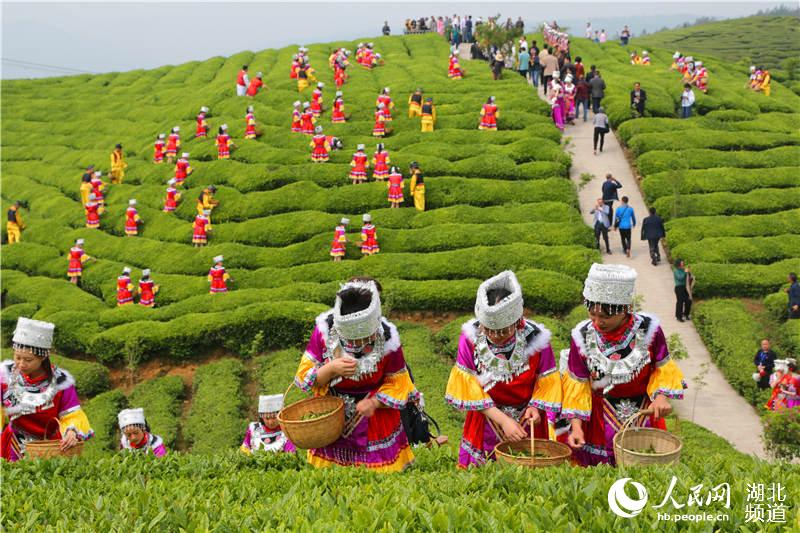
(76, 419)
(226, 277)
(577, 397)
(306, 376)
(464, 391)
(137, 218)
(395, 389)
(483, 111)
(177, 196)
(210, 277)
(245, 450)
(413, 183)
(667, 379)
(547, 394)
(113, 162)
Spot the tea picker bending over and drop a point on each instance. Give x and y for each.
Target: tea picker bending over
(265, 434)
(136, 436)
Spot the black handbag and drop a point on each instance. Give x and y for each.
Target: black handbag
(416, 423)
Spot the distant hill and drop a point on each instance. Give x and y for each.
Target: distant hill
(766, 41)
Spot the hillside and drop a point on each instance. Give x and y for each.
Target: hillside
(765, 41)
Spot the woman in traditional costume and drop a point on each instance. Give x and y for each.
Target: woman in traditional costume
(415, 104)
(147, 289)
(200, 228)
(395, 188)
(159, 147)
(266, 434)
(136, 436)
(428, 115)
(182, 168)
(618, 365)
(124, 288)
(307, 120)
(337, 115)
(250, 123)
(417, 188)
(316, 100)
(569, 99)
(359, 165)
(355, 354)
(385, 99)
(786, 389)
(132, 219)
(173, 196)
(173, 144)
(320, 147)
(201, 131)
(505, 376)
(369, 236)
(77, 257)
(339, 244)
(39, 398)
(379, 129)
(217, 276)
(92, 210)
(223, 143)
(380, 161)
(297, 118)
(489, 115)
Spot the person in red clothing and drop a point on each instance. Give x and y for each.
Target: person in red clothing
(489, 115)
(320, 152)
(379, 130)
(454, 71)
(200, 228)
(147, 289)
(132, 219)
(338, 116)
(295, 67)
(255, 85)
(173, 196)
(182, 168)
(369, 236)
(242, 81)
(297, 118)
(582, 97)
(77, 257)
(158, 148)
(395, 188)
(316, 100)
(202, 124)
(223, 143)
(250, 124)
(218, 277)
(124, 288)
(92, 209)
(339, 244)
(387, 102)
(307, 120)
(98, 188)
(380, 162)
(359, 164)
(173, 144)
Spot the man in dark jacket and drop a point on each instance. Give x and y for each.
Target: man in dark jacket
(638, 99)
(610, 187)
(765, 364)
(598, 89)
(652, 232)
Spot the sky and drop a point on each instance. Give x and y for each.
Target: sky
(47, 39)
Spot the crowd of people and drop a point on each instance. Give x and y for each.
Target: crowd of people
(506, 378)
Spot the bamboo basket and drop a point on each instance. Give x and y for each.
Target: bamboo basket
(49, 448)
(316, 433)
(556, 452)
(630, 439)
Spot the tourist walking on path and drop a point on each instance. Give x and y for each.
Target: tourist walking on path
(597, 86)
(609, 189)
(683, 283)
(601, 223)
(601, 127)
(765, 364)
(687, 101)
(549, 64)
(652, 232)
(794, 296)
(582, 97)
(625, 221)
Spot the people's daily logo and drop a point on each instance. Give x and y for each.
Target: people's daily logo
(623, 505)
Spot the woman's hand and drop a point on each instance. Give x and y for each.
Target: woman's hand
(512, 430)
(367, 406)
(531, 414)
(344, 366)
(576, 439)
(69, 439)
(660, 407)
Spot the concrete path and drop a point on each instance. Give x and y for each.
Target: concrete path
(719, 407)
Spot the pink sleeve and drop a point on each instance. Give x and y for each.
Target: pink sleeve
(69, 401)
(547, 361)
(289, 447)
(247, 437)
(316, 345)
(466, 354)
(658, 346)
(576, 364)
(160, 450)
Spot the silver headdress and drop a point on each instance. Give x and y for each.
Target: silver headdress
(131, 417)
(508, 310)
(360, 324)
(271, 403)
(33, 335)
(610, 284)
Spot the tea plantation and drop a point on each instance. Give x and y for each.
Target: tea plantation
(727, 181)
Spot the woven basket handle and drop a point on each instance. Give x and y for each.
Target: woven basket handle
(47, 427)
(643, 412)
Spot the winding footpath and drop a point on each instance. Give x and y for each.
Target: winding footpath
(719, 408)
